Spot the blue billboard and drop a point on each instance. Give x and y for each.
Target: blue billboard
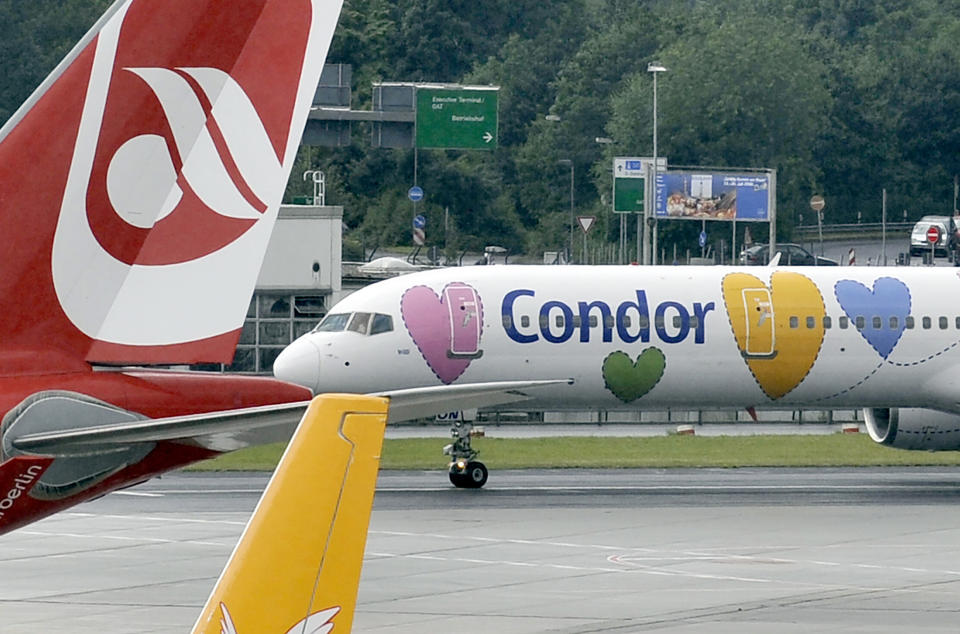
(714, 196)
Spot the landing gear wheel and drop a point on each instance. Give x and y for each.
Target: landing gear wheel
(476, 475)
(458, 479)
(473, 476)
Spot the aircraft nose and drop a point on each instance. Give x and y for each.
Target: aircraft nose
(299, 363)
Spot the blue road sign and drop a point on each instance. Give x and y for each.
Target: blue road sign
(415, 193)
(419, 222)
(703, 238)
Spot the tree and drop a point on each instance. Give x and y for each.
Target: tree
(34, 37)
(727, 102)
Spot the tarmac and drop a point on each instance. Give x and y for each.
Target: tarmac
(684, 550)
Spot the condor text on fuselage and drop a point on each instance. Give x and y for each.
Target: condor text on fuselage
(672, 321)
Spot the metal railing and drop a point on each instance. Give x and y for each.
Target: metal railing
(809, 232)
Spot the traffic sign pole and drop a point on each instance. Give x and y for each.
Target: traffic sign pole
(419, 230)
(817, 203)
(586, 223)
(933, 236)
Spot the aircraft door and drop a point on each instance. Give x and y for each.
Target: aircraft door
(759, 318)
(465, 314)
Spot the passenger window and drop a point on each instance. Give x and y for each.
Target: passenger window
(333, 322)
(626, 321)
(826, 322)
(544, 321)
(908, 322)
(943, 323)
(359, 323)
(608, 321)
(877, 323)
(811, 323)
(794, 322)
(576, 321)
(843, 322)
(694, 321)
(958, 323)
(860, 321)
(894, 322)
(644, 321)
(658, 321)
(524, 321)
(593, 321)
(507, 321)
(559, 320)
(381, 323)
(926, 323)
(677, 322)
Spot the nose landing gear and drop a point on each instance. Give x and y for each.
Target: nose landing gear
(465, 471)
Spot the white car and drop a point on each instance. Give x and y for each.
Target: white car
(947, 227)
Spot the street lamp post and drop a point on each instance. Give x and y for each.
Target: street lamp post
(622, 244)
(650, 257)
(572, 221)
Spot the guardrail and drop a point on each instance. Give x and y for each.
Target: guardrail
(809, 232)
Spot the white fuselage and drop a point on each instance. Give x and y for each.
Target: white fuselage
(652, 337)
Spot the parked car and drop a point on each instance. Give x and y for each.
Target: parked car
(947, 243)
(790, 255)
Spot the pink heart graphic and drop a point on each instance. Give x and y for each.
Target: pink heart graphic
(446, 329)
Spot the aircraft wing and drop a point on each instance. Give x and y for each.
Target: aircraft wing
(235, 429)
(423, 402)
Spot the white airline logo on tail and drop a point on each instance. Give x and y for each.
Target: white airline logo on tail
(229, 174)
(146, 157)
(317, 623)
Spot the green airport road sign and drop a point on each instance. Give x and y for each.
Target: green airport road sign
(457, 118)
(628, 195)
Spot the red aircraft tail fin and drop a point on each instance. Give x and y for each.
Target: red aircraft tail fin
(142, 179)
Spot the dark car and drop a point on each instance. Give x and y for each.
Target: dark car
(790, 255)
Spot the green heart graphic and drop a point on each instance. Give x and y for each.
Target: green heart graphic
(628, 380)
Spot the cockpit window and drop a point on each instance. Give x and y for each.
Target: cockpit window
(363, 323)
(359, 322)
(381, 323)
(333, 322)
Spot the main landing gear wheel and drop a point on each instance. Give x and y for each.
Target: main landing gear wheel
(465, 471)
(473, 476)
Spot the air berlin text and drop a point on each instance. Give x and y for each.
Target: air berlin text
(21, 483)
(556, 321)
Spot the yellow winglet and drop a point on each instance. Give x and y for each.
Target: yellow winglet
(297, 565)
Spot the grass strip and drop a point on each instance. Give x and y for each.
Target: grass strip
(833, 450)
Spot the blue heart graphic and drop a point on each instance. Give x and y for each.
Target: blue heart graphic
(890, 298)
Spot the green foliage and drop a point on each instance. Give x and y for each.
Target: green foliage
(841, 97)
(34, 37)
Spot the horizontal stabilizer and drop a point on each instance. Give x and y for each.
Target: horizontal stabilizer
(220, 431)
(235, 429)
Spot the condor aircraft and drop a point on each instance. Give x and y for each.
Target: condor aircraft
(631, 338)
(138, 188)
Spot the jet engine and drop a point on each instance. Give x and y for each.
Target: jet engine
(913, 428)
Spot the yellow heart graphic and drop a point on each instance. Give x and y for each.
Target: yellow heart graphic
(779, 329)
